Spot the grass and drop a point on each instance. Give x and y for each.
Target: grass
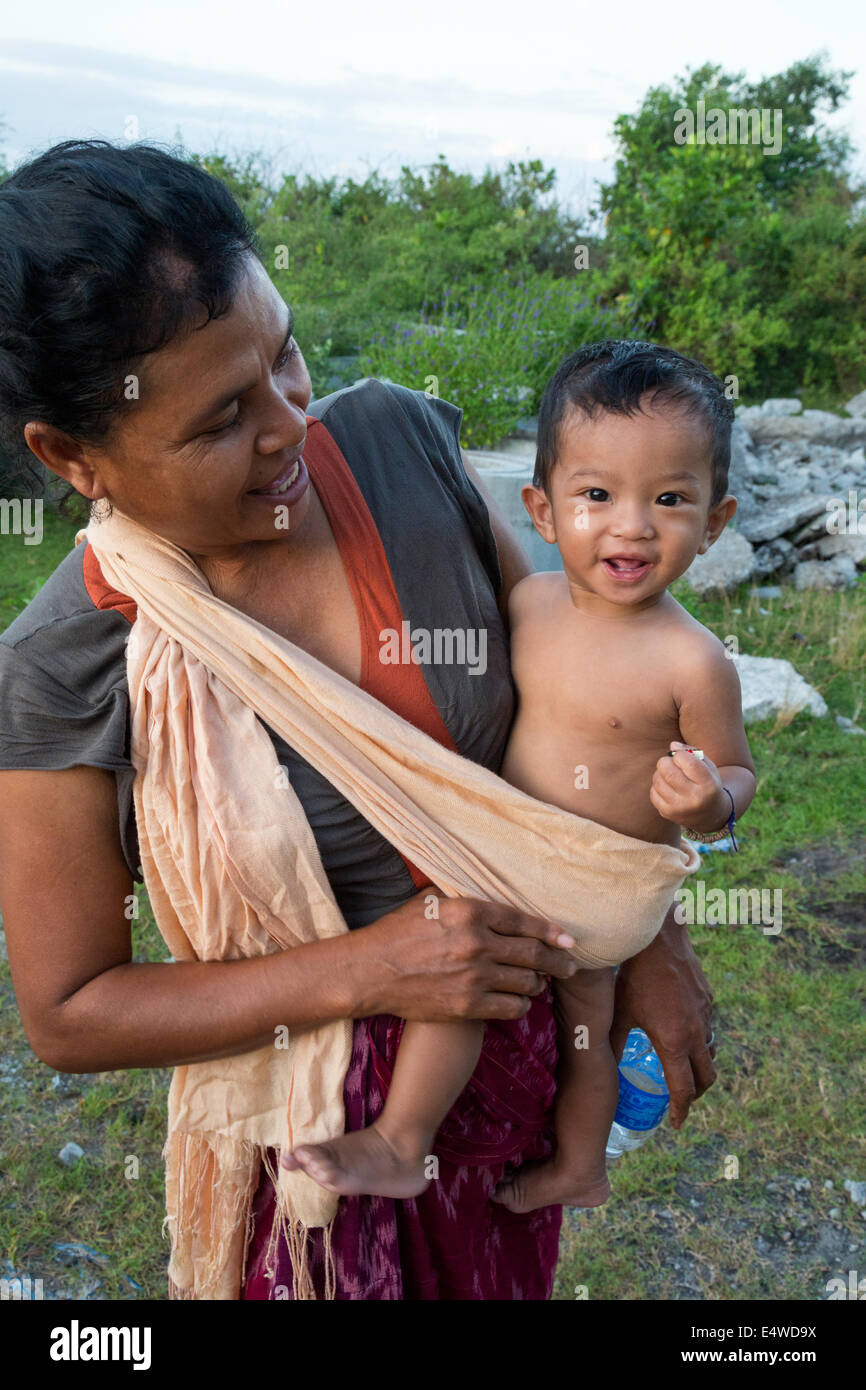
(720, 1209)
(717, 1211)
(24, 568)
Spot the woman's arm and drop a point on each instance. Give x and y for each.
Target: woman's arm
(86, 1006)
(513, 560)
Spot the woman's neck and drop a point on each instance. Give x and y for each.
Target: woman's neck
(247, 571)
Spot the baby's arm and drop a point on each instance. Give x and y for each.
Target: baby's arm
(686, 790)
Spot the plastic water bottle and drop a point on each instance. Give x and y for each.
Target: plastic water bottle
(643, 1096)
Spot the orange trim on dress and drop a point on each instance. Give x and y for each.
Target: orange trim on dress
(401, 687)
(101, 592)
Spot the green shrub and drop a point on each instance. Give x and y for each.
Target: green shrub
(755, 263)
(491, 351)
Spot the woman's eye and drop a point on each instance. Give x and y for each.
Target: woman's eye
(284, 357)
(287, 354)
(597, 494)
(669, 499)
(229, 425)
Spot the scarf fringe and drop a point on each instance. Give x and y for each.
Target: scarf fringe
(210, 1185)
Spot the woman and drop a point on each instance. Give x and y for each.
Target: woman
(146, 358)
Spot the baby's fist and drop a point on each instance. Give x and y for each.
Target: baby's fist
(688, 790)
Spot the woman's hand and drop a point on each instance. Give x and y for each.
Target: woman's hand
(664, 991)
(440, 958)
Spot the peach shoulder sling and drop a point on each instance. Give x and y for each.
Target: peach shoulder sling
(232, 870)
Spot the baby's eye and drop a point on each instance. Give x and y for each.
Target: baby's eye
(597, 494)
(669, 499)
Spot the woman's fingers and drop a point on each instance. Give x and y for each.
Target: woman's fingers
(680, 1080)
(508, 979)
(507, 936)
(505, 1006)
(688, 1075)
(509, 921)
(531, 954)
(703, 1059)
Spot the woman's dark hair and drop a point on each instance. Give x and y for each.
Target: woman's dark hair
(614, 375)
(107, 252)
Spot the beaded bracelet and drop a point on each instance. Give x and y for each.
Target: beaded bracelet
(724, 834)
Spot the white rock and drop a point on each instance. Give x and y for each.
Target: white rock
(70, 1154)
(773, 556)
(857, 1191)
(844, 544)
(823, 417)
(838, 573)
(725, 565)
(743, 460)
(772, 686)
(848, 726)
(781, 515)
(782, 405)
(802, 430)
(857, 404)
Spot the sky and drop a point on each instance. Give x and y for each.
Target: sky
(343, 88)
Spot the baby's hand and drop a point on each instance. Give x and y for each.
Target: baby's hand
(688, 791)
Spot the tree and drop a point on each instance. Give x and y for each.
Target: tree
(751, 261)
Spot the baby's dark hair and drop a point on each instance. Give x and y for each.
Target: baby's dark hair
(106, 253)
(614, 375)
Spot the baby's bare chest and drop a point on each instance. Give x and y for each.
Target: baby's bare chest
(614, 690)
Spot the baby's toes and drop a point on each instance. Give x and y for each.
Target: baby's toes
(320, 1161)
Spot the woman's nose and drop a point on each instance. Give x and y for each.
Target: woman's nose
(285, 423)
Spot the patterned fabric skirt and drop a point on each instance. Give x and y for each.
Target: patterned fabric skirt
(452, 1242)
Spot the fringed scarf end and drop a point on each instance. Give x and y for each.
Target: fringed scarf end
(296, 1234)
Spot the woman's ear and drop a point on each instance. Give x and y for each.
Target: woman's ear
(537, 503)
(64, 456)
(717, 520)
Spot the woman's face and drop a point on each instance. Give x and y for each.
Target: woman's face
(221, 412)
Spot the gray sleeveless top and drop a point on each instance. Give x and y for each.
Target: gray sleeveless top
(64, 698)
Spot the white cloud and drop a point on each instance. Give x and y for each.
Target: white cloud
(343, 88)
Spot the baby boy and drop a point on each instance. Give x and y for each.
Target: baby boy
(616, 684)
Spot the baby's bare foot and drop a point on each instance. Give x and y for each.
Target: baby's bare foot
(550, 1184)
(363, 1162)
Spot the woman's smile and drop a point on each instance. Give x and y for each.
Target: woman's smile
(287, 487)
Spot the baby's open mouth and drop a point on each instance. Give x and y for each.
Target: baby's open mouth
(628, 569)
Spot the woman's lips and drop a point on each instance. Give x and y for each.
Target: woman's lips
(287, 487)
(626, 570)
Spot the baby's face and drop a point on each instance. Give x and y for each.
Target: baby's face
(629, 502)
